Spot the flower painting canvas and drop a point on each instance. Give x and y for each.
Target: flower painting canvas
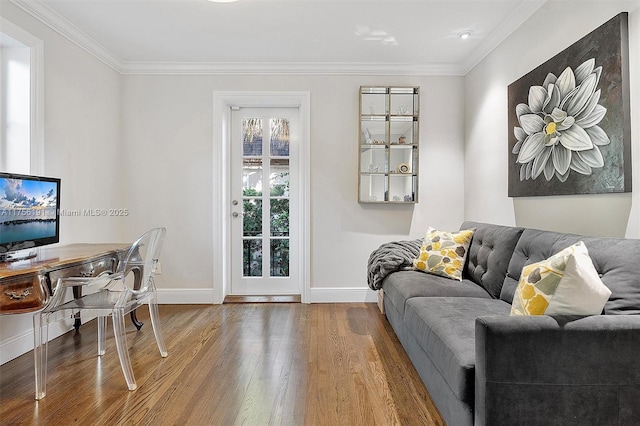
(569, 119)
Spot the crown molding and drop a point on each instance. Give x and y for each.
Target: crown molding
(55, 21)
(502, 32)
(287, 68)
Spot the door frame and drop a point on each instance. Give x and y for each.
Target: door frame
(223, 102)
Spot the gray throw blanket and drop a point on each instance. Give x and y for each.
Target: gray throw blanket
(391, 257)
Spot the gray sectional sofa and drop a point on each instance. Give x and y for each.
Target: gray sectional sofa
(482, 366)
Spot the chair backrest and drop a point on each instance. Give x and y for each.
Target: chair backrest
(143, 256)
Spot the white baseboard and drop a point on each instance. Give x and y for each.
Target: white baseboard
(342, 295)
(185, 296)
(20, 344)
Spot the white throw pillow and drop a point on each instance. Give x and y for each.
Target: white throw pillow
(580, 291)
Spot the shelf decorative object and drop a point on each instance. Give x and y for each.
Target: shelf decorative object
(388, 144)
(403, 168)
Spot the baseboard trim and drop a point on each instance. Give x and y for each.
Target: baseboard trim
(185, 296)
(342, 295)
(20, 344)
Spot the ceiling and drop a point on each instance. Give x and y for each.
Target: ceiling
(286, 36)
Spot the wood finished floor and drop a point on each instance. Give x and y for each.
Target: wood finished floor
(232, 364)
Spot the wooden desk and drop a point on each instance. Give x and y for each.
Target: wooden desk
(26, 286)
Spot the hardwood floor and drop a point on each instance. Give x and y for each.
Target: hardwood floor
(251, 364)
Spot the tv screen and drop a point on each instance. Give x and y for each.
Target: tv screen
(29, 211)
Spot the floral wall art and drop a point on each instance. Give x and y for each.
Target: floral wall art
(569, 119)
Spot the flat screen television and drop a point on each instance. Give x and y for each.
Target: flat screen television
(29, 214)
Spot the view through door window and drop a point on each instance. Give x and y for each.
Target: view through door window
(266, 209)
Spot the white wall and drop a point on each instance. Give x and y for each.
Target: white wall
(554, 27)
(82, 130)
(141, 142)
(168, 143)
(82, 139)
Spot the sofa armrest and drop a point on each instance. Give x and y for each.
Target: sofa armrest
(557, 370)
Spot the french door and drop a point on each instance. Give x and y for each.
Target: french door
(264, 202)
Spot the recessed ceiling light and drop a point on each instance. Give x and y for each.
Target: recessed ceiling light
(464, 35)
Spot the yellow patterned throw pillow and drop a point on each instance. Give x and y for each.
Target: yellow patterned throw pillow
(444, 253)
(567, 283)
(538, 282)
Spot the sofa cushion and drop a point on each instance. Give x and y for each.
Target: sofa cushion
(403, 285)
(445, 329)
(489, 254)
(615, 259)
(444, 253)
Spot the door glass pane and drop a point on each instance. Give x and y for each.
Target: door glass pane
(251, 177)
(279, 258)
(251, 136)
(279, 177)
(279, 217)
(252, 257)
(279, 137)
(252, 218)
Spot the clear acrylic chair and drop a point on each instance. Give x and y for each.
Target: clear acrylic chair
(113, 296)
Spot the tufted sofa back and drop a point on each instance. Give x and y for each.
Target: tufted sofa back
(489, 254)
(617, 261)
